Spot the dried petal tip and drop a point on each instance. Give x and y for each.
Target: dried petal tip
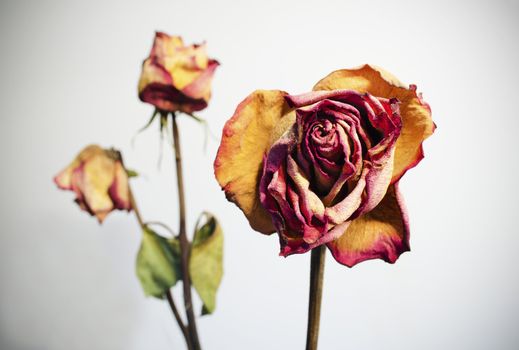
(382, 233)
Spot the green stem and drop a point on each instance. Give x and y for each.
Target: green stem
(316, 291)
(184, 243)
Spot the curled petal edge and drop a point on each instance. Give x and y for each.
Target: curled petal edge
(382, 233)
(417, 124)
(259, 120)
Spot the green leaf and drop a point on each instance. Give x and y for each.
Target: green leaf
(158, 263)
(131, 173)
(206, 261)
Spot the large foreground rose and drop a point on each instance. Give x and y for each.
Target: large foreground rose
(176, 77)
(323, 167)
(98, 179)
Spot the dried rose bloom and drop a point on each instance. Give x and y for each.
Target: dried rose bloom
(176, 77)
(323, 167)
(98, 179)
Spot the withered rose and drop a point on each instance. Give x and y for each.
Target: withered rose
(99, 180)
(176, 77)
(323, 167)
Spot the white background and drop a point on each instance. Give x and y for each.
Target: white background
(69, 72)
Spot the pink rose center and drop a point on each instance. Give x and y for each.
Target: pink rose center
(333, 165)
(327, 147)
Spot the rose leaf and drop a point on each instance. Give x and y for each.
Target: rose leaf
(131, 173)
(206, 261)
(158, 263)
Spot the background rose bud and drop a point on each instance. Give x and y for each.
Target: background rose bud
(323, 167)
(176, 77)
(98, 179)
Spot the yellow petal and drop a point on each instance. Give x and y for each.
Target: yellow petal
(165, 45)
(98, 176)
(182, 76)
(417, 124)
(382, 233)
(64, 178)
(257, 122)
(152, 73)
(120, 189)
(153, 68)
(201, 87)
(186, 64)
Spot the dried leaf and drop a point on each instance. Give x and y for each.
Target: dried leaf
(158, 263)
(206, 261)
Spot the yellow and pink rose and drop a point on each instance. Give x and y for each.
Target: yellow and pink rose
(323, 167)
(176, 77)
(99, 181)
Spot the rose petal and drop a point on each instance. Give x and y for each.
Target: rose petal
(153, 72)
(382, 233)
(291, 246)
(380, 164)
(97, 177)
(182, 75)
(416, 114)
(155, 86)
(348, 169)
(168, 99)
(186, 64)
(76, 186)
(256, 124)
(64, 179)
(342, 211)
(200, 88)
(311, 205)
(273, 189)
(165, 45)
(312, 97)
(297, 213)
(176, 77)
(119, 190)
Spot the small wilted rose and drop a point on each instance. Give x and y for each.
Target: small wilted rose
(323, 167)
(99, 180)
(176, 77)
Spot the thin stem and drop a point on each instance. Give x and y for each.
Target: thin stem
(316, 291)
(136, 209)
(183, 328)
(169, 296)
(184, 243)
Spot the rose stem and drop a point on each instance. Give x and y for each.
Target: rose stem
(184, 243)
(316, 291)
(169, 295)
(171, 302)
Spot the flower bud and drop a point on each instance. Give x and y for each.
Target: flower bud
(99, 180)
